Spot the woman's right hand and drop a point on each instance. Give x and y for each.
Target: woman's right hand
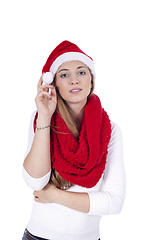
(46, 103)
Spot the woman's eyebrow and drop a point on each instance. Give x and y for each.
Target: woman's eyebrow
(63, 70)
(81, 67)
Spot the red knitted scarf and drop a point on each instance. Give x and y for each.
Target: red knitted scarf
(81, 162)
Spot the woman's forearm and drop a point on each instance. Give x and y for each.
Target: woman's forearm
(74, 200)
(38, 163)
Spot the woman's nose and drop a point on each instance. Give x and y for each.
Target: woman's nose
(74, 80)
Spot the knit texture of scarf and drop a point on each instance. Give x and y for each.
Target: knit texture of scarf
(81, 162)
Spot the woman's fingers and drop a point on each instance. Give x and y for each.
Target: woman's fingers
(43, 95)
(35, 196)
(53, 91)
(44, 87)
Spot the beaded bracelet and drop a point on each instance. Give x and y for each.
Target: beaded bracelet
(40, 128)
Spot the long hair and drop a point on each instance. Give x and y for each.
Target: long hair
(63, 110)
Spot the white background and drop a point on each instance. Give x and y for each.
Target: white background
(123, 38)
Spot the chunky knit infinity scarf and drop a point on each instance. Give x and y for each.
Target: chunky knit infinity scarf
(82, 162)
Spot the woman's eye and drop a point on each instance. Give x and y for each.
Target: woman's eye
(64, 75)
(82, 73)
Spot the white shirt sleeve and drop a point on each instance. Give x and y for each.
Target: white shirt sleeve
(109, 199)
(35, 183)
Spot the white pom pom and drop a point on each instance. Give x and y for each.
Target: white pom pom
(47, 77)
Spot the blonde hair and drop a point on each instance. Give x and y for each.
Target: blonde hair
(63, 110)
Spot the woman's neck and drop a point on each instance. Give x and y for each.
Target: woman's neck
(77, 111)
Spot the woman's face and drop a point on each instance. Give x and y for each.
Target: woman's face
(74, 82)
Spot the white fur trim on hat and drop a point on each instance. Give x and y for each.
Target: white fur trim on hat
(72, 56)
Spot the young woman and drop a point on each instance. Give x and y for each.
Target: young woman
(74, 159)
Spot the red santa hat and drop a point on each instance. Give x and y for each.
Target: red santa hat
(66, 52)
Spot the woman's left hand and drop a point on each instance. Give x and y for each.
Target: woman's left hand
(47, 195)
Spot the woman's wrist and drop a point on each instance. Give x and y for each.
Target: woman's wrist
(57, 195)
(43, 121)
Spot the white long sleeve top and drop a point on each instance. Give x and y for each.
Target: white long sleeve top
(57, 222)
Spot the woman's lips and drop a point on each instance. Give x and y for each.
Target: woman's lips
(75, 90)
